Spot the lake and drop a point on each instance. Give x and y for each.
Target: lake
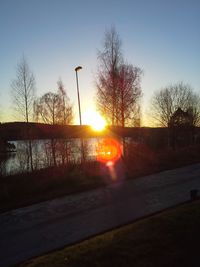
(66, 151)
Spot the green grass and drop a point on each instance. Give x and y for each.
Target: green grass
(170, 239)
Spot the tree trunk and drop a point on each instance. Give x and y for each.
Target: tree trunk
(53, 151)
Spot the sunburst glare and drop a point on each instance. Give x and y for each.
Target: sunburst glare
(95, 120)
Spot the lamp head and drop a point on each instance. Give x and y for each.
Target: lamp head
(78, 68)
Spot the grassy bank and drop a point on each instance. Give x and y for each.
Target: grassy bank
(171, 238)
(28, 188)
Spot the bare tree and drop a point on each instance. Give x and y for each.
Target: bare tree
(47, 108)
(55, 108)
(168, 100)
(66, 109)
(110, 59)
(118, 84)
(128, 100)
(23, 90)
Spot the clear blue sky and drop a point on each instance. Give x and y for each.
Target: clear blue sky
(161, 37)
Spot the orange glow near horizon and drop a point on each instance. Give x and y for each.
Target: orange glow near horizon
(108, 151)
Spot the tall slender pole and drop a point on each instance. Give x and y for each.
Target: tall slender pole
(79, 109)
(79, 104)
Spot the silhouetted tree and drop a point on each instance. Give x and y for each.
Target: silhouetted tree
(128, 100)
(118, 84)
(23, 90)
(66, 108)
(168, 100)
(48, 108)
(54, 108)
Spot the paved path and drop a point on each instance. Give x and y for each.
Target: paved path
(30, 231)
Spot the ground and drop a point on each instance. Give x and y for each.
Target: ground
(171, 238)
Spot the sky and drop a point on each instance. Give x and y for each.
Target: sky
(161, 37)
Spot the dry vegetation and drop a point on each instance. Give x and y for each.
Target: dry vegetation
(28, 188)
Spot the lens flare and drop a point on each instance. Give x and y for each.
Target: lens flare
(108, 151)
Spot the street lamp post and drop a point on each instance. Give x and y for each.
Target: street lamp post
(79, 104)
(79, 109)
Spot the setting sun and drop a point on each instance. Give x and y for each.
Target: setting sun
(95, 120)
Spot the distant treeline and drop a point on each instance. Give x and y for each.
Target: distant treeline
(153, 137)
